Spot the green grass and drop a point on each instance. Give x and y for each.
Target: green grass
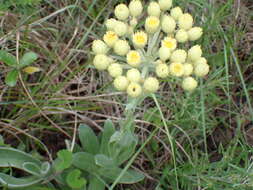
(199, 140)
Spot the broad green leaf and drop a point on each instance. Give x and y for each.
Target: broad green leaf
(95, 184)
(32, 168)
(106, 135)
(11, 78)
(27, 59)
(104, 161)
(64, 160)
(88, 139)
(8, 58)
(85, 161)
(74, 179)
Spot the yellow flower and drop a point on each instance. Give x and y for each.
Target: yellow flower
(176, 12)
(195, 33)
(165, 4)
(134, 90)
(152, 24)
(110, 38)
(164, 53)
(201, 69)
(121, 47)
(121, 12)
(185, 21)
(101, 62)
(189, 84)
(99, 47)
(194, 53)
(135, 8)
(168, 24)
(115, 70)
(178, 55)
(182, 36)
(121, 28)
(162, 70)
(170, 43)
(188, 69)
(151, 84)
(140, 39)
(121, 83)
(154, 9)
(176, 69)
(133, 75)
(30, 70)
(133, 58)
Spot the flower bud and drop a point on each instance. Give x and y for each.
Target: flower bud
(152, 24)
(121, 47)
(194, 53)
(168, 24)
(133, 58)
(176, 13)
(121, 83)
(101, 62)
(185, 21)
(133, 22)
(165, 4)
(169, 43)
(176, 69)
(201, 69)
(151, 84)
(178, 56)
(133, 75)
(110, 24)
(121, 28)
(154, 9)
(199, 61)
(195, 33)
(188, 69)
(189, 84)
(115, 70)
(164, 53)
(135, 8)
(140, 39)
(134, 90)
(99, 47)
(110, 38)
(121, 12)
(162, 70)
(182, 36)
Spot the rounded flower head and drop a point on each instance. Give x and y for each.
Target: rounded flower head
(134, 58)
(178, 56)
(199, 61)
(176, 12)
(151, 84)
(152, 24)
(176, 69)
(154, 9)
(135, 8)
(182, 36)
(99, 47)
(201, 69)
(115, 70)
(133, 75)
(121, 47)
(194, 53)
(165, 4)
(121, 28)
(121, 12)
(101, 62)
(140, 39)
(134, 90)
(162, 70)
(120, 83)
(189, 84)
(110, 38)
(195, 33)
(185, 21)
(170, 43)
(188, 69)
(110, 24)
(164, 53)
(168, 24)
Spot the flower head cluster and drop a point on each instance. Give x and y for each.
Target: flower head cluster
(136, 54)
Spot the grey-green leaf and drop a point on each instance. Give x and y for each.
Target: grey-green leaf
(64, 160)
(74, 179)
(28, 58)
(8, 58)
(11, 78)
(104, 161)
(96, 184)
(108, 131)
(85, 161)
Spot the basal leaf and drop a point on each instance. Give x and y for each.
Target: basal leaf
(8, 58)
(27, 59)
(74, 179)
(64, 160)
(11, 78)
(106, 135)
(85, 161)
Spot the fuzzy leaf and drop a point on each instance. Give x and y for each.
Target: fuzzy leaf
(8, 58)
(85, 161)
(96, 184)
(28, 58)
(11, 78)
(106, 135)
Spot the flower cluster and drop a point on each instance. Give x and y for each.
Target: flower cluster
(136, 54)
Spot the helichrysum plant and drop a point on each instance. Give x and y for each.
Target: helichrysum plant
(136, 55)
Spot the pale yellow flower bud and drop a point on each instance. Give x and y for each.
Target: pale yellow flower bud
(151, 84)
(176, 69)
(154, 9)
(189, 84)
(178, 56)
(176, 12)
(121, 28)
(110, 24)
(182, 36)
(99, 47)
(165, 4)
(133, 75)
(101, 62)
(134, 90)
(152, 24)
(30, 70)
(200, 60)
(194, 53)
(133, 22)
(135, 8)
(185, 21)
(162, 70)
(168, 24)
(170, 43)
(201, 69)
(115, 70)
(140, 39)
(164, 53)
(121, 12)
(195, 33)
(110, 38)
(188, 69)
(134, 58)
(121, 47)
(121, 83)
